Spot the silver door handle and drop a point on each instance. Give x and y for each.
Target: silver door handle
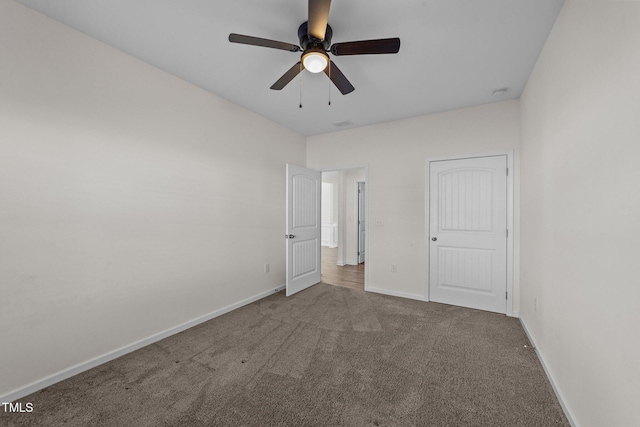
(289, 236)
(434, 238)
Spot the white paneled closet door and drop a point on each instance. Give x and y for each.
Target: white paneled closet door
(468, 232)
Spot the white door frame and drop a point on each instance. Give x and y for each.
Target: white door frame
(509, 312)
(356, 221)
(364, 166)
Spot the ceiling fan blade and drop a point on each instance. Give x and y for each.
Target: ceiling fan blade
(367, 47)
(318, 18)
(288, 76)
(257, 41)
(338, 79)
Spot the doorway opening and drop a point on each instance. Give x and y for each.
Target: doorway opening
(343, 227)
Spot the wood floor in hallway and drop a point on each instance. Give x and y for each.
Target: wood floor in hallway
(349, 276)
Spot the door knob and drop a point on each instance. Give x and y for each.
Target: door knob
(289, 236)
(434, 238)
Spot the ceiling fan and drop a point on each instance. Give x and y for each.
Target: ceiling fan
(315, 43)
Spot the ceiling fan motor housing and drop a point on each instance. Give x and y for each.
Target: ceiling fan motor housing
(308, 42)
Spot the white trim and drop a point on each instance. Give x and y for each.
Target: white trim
(356, 221)
(107, 357)
(471, 156)
(364, 166)
(510, 238)
(559, 395)
(396, 294)
(356, 258)
(511, 235)
(427, 230)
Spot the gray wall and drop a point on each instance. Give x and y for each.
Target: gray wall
(581, 209)
(396, 153)
(130, 201)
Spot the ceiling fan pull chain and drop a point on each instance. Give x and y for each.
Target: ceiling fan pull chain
(300, 84)
(329, 65)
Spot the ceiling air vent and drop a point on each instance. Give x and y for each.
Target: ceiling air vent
(500, 92)
(341, 124)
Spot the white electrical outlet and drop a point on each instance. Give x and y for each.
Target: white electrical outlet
(266, 268)
(394, 268)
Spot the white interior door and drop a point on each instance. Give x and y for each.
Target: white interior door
(303, 228)
(361, 222)
(468, 232)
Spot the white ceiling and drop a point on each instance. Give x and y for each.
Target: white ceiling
(453, 54)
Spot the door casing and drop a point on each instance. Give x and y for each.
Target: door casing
(360, 256)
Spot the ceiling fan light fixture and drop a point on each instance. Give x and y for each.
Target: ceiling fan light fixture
(315, 42)
(315, 60)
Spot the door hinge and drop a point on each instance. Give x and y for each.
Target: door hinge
(507, 171)
(507, 232)
(506, 295)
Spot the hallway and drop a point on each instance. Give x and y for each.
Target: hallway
(349, 276)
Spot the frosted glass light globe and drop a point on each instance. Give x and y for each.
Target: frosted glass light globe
(315, 62)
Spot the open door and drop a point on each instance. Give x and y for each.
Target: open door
(303, 228)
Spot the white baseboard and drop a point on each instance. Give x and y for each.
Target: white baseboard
(396, 294)
(107, 357)
(565, 409)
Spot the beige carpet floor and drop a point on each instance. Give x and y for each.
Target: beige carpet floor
(328, 356)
